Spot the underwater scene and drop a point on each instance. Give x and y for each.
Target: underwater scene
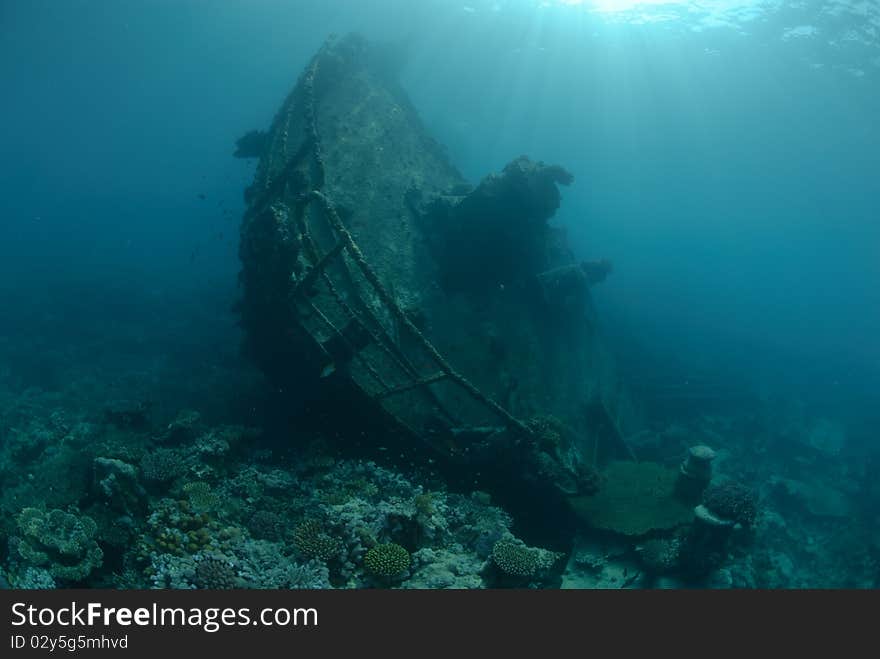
(440, 294)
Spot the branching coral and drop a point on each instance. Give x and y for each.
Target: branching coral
(312, 541)
(515, 558)
(162, 465)
(176, 529)
(387, 560)
(200, 496)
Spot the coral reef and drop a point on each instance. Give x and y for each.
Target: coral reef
(62, 543)
(242, 564)
(118, 484)
(731, 501)
(387, 560)
(604, 562)
(162, 465)
(81, 506)
(34, 578)
(635, 498)
(215, 573)
(200, 496)
(660, 555)
(515, 558)
(266, 525)
(312, 541)
(518, 564)
(451, 568)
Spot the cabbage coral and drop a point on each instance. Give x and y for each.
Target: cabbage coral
(62, 543)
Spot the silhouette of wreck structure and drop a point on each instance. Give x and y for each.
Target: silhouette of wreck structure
(455, 314)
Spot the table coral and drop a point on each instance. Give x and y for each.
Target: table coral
(635, 498)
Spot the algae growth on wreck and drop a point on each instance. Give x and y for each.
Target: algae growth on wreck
(506, 295)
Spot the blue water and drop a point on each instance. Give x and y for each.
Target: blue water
(726, 158)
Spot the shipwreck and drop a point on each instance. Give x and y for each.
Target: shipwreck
(454, 315)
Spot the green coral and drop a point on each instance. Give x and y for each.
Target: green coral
(201, 497)
(635, 498)
(313, 542)
(162, 465)
(174, 528)
(514, 558)
(424, 504)
(387, 560)
(214, 573)
(62, 543)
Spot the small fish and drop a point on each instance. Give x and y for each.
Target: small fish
(328, 370)
(202, 196)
